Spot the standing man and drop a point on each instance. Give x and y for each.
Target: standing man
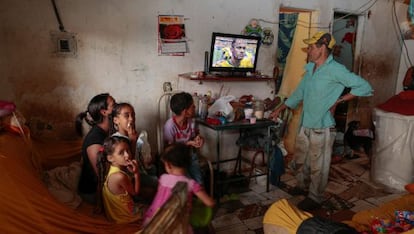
(320, 91)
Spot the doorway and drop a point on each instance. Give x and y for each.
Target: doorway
(344, 30)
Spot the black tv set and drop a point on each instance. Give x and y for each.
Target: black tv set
(233, 54)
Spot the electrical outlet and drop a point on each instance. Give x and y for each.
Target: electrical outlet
(64, 44)
(167, 87)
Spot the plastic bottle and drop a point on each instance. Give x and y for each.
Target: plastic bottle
(258, 109)
(196, 102)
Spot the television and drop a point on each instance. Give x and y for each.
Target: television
(233, 54)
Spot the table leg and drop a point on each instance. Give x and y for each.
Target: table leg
(267, 151)
(217, 187)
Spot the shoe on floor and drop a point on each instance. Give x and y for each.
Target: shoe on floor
(308, 205)
(295, 191)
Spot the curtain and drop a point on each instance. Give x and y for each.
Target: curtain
(287, 27)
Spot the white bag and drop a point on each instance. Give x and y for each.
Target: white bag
(222, 106)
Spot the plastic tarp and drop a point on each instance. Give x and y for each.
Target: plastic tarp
(26, 204)
(393, 156)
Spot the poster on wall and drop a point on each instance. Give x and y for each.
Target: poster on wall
(171, 35)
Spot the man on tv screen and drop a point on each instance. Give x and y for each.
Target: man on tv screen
(236, 55)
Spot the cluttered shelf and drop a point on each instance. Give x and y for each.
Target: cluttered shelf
(201, 76)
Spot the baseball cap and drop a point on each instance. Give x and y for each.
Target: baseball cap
(321, 38)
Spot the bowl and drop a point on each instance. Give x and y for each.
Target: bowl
(409, 188)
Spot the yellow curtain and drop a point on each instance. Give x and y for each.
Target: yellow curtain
(294, 71)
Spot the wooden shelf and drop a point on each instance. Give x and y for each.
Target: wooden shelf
(200, 76)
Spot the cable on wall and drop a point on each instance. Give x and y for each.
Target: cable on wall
(61, 27)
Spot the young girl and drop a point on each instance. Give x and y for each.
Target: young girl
(117, 186)
(123, 116)
(176, 159)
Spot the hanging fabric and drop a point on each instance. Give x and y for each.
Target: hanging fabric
(287, 27)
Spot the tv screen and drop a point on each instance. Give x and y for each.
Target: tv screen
(233, 53)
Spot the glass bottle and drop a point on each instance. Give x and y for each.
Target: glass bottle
(258, 109)
(196, 104)
(204, 107)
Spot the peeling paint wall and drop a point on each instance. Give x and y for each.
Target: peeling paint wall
(117, 52)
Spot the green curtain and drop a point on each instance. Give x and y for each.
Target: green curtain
(287, 27)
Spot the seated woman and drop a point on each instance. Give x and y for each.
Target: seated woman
(98, 116)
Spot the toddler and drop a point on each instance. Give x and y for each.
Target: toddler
(176, 159)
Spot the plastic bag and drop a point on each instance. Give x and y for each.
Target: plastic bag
(143, 150)
(222, 106)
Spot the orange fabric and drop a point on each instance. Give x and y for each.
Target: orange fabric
(25, 203)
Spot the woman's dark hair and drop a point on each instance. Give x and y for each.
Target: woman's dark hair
(177, 154)
(180, 102)
(117, 111)
(93, 114)
(103, 164)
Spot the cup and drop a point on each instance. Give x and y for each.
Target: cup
(259, 114)
(252, 120)
(248, 112)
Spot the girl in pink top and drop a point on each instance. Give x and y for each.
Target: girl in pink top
(176, 159)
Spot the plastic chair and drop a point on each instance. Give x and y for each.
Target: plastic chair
(164, 113)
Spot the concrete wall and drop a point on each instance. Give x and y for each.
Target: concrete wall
(117, 52)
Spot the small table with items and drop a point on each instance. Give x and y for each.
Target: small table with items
(242, 126)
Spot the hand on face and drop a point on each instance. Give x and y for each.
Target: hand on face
(132, 132)
(132, 166)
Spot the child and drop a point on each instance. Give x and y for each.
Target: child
(123, 116)
(176, 159)
(118, 188)
(181, 128)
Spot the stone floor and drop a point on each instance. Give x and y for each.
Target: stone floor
(349, 191)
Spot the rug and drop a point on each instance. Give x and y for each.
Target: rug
(251, 211)
(348, 181)
(336, 203)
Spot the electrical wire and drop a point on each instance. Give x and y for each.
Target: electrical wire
(358, 11)
(61, 27)
(308, 25)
